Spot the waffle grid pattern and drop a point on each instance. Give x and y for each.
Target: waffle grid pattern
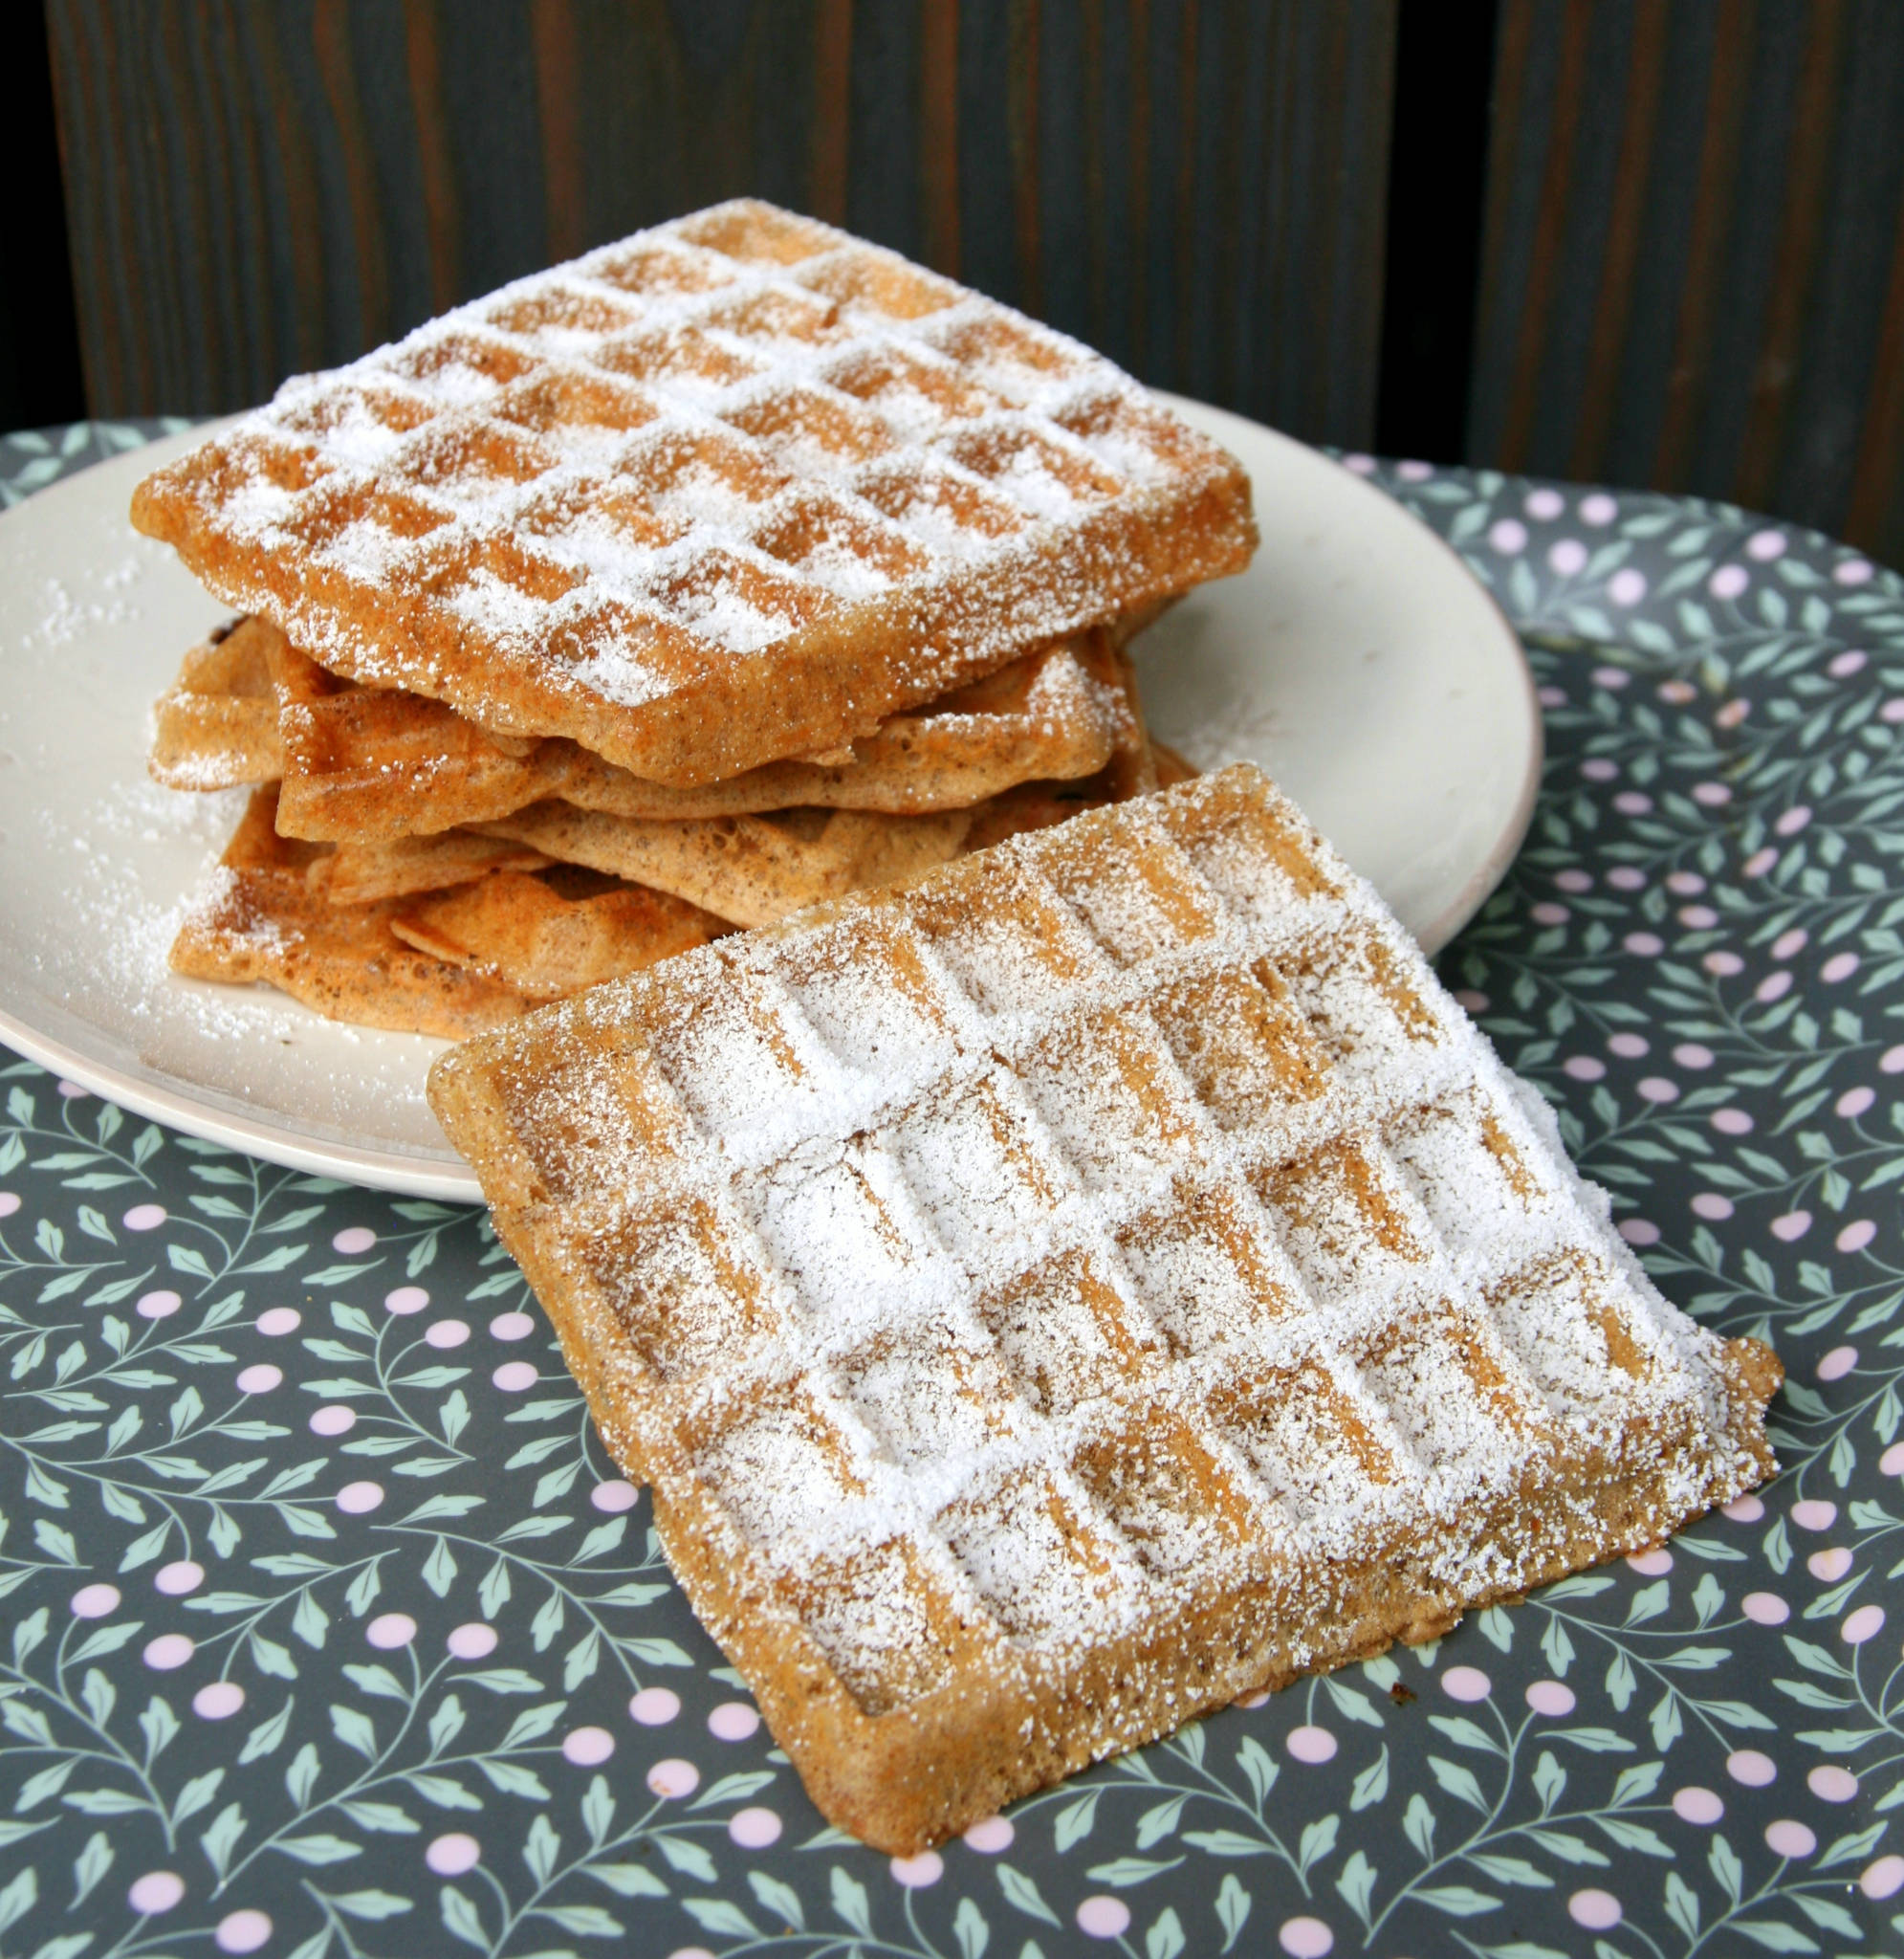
(597, 486)
(1012, 1258)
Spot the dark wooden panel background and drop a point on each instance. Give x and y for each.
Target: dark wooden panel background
(1690, 236)
(256, 186)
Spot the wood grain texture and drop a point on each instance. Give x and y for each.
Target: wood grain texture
(256, 186)
(1694, 253)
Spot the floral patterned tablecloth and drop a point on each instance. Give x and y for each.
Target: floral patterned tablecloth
(328, 1628)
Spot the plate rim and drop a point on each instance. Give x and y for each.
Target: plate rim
(448, 1180)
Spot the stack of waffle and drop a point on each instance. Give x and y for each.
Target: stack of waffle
(725, 570)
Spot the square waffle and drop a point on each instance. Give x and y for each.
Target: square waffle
(736, 489)
(1103, 1278)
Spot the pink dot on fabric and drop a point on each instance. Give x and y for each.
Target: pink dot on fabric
(1856, 1234)
(1652, 1564)
(1103, 1918)
(157, 1306)
(10, 1202)
(1744, 1509)
(447, 1334)
(915, 1873)
(1614, 678)
(1838, 1363)
(144, 1217)
(261, 1379)
(1597, 1910)
(754, 1829)
(1732, 1122)
(1632, 803)
(1751, 1768)
(1695, 1805)
(1508, 535)
(1853, 1102)
(1773, 986)
(1640, 1231)
(1733, 712)
(1574, 881)
(1847, 664)
(514, 1375)
(1864, 1623)
(1884, 1879)
(1829, 1565)
(1839, 967)
(405, 1299)
(991, 1834)
(1832, 1785)
(180, 1576)
(94, 1601)
(655, 1706)
(512, 1325)
(1814, 1513)
(1629, 1047)
(1789, 1838)
(1312, 1744)
(1657, 1088)
(1891, 1061)
(1765, 545)
(161, 1890)
(242, 1932)
(277, 1320)
(1627, 586)
(1791, 1225)
(1760, 862)
(1583, 1068)
(1544, 505)
(1678, 691)
(169, 1652)
(1892, 1461)
(356, 1498)
(1551, 696)
(1685, 884)
(1598, 769)
(390, 1630)
(1649, 945)
(334, 1419)
(452, 1855)
(614, 1496)
(1463, 1684)
(219, 1700)
(1413, 471)
(473, 1640)
(1852, 571)
(1305, 1938)
(1357, 464)
(1728, 581)
(673, 1777)
(1692, 1054)
(1711, 795)
(353, 1238)
(1698, 917)
(588, 1747)
(1891, 711)
(733, 1721)
(1598, 509)
(1793, 820)
(1471, 1002)
(1545, 913)
(1765, 1608)
(1727, 965)
(1550, 1697)
(1567, 556)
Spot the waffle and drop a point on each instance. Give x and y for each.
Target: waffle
(1104, 1278)
(736, 489)
(450, 965)
(216, 726)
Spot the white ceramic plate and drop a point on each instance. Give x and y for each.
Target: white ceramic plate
(1356, 660)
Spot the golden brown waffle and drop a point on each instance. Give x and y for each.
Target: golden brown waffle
(360, 873)
(736, 489)
(216, 726)
(1104, 1278)
(450, 965)
(752, 869)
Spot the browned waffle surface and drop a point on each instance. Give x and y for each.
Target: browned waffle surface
(216, 726)
(1103, 1278)
(733, 489)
